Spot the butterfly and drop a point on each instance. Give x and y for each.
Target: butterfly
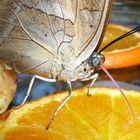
(55, 40)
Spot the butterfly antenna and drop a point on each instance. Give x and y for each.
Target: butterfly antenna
(121, 37)
(116, 84)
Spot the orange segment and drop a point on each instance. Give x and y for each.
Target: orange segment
(102, 116)
(124, 53)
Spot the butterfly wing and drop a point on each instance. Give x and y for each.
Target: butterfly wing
(98, 13)
(34, 32)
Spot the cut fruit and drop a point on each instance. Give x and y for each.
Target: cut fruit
(124, 53)
(7, 86)
(102, 116)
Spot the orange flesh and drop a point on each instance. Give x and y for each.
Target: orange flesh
(99, 116)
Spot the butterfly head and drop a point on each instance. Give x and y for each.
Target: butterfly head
(90, 67)
(84, 71)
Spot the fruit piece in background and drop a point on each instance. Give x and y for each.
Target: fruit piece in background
(124, 53)
(7, 86)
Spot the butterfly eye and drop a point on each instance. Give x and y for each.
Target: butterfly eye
(97, 60)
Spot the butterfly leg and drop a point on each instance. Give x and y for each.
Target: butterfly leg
(31, 85)
(61, 105)
(94, 78)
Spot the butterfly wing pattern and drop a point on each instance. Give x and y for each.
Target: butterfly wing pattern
(52, 38)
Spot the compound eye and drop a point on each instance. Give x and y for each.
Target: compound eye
(96, 62)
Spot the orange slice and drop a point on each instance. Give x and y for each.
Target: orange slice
(124, 53)
(102, 116)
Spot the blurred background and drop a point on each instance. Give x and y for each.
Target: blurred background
(125, 12)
